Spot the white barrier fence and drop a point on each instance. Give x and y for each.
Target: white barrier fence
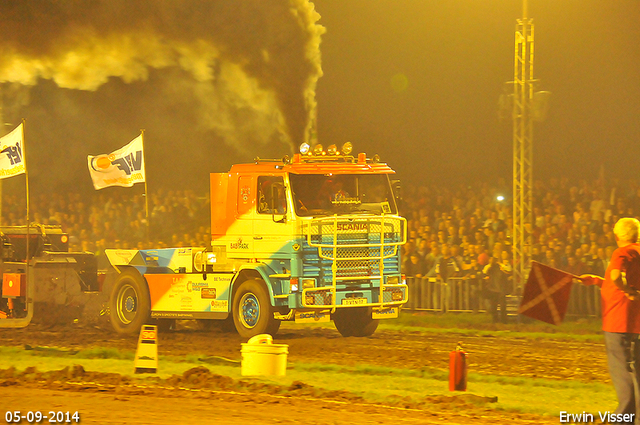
(462, 294)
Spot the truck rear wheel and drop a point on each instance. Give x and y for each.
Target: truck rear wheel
(355, 321)
(130, 305)
(252, 311)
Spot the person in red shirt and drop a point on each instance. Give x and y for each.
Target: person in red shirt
(621, 315)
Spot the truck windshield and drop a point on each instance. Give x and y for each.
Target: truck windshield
(317, 194)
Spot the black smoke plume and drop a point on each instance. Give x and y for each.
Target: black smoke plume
(197, 74)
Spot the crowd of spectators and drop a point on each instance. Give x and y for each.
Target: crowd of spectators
(453, 231)
(118, 219)
(572, 229)
(467, 231)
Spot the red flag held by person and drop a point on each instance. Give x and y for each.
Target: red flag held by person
(546, 294)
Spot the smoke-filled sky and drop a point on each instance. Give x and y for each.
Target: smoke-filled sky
(211, 82)
(218, 82)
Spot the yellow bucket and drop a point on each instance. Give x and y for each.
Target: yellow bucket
(261, 357)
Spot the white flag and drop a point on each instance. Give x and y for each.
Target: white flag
(11, 154)
(124, 167)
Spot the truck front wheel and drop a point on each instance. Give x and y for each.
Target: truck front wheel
(252, 311)
(354, 321)
(130, 305)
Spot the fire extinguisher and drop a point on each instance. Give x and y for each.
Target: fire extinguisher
(458, 369)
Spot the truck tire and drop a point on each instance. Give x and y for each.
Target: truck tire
(130, 305)
(355, 321)
(252, 311)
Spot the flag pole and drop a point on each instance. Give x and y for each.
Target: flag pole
(26, 176)
(19, 160)
(146, 193)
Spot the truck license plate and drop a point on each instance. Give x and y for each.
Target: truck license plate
(354, 301)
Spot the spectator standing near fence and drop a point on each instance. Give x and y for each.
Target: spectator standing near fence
(432, 259)
(445, 268)
(414, 266)
(482, 256)
(474, 274)
(621, 315)
(496, 277)
(603, 261)
(423, 249)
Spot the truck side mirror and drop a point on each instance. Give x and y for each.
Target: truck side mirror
(397, 191)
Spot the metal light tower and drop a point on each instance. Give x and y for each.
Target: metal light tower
(522, 148)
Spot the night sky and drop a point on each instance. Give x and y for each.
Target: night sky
(457, 56)
(415, 81)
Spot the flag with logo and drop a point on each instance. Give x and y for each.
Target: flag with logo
(124, 167)
(11, 154)
(546, 294)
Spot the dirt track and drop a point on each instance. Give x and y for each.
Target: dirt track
(491, 355)
(124, 403)
(163, 407)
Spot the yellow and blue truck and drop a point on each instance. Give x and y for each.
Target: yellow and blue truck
(313, 238)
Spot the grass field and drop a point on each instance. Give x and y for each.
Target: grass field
(480, 324)
(587, 330)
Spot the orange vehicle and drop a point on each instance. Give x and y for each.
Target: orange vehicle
(309, 239)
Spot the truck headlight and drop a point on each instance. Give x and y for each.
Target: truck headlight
(308, 283)
(393, 280)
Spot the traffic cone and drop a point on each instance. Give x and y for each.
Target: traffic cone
(146, 360)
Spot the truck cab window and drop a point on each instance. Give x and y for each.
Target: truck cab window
(271, 195)
(318, 195)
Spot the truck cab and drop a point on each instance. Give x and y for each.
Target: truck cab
(308, 239)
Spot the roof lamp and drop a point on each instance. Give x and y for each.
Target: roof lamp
(304, 148)
(347, 148)
(317, 149)
(332, 150)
